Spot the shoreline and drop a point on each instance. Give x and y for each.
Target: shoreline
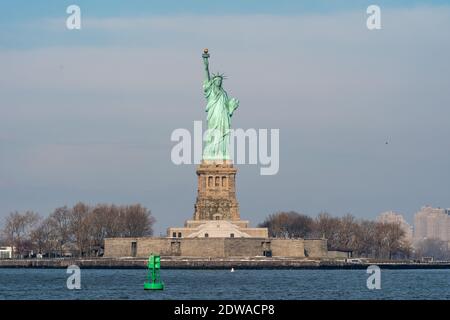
(210, 264)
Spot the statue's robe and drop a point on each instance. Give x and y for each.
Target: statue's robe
(220, 110)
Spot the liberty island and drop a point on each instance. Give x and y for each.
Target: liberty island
(216, 229)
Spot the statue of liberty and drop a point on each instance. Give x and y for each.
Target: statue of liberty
(220, 109)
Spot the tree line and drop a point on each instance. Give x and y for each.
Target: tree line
(76, 231)
(365, 238)
(81, 230)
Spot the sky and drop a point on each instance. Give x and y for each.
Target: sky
(87, 115)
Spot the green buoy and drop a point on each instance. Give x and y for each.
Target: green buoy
(154, 282)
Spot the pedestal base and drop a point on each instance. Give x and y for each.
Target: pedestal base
(216, 197)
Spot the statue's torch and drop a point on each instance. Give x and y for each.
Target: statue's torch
(205, 54)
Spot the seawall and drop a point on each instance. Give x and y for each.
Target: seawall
(205, 263)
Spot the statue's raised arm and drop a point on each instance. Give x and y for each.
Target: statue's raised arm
(206, 62)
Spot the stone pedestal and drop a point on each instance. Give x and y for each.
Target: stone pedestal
(216, 193)
(216, 209)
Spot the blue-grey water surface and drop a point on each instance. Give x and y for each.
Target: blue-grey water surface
(223, 284)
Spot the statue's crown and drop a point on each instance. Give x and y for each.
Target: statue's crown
(218, 75)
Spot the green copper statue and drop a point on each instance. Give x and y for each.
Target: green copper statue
(220, 109)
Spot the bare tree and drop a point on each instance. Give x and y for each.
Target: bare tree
(327, 226)
(18, 228)
(59, 221)
(104, 222)
(43, 237)
(136, 221)
(388, 239)
(347, 232)
(80, 227)
(288, 225)
(366, 238)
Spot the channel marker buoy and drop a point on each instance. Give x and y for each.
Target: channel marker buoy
(153, 279)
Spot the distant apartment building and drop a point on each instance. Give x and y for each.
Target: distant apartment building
(432, 223)
(394, 217)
